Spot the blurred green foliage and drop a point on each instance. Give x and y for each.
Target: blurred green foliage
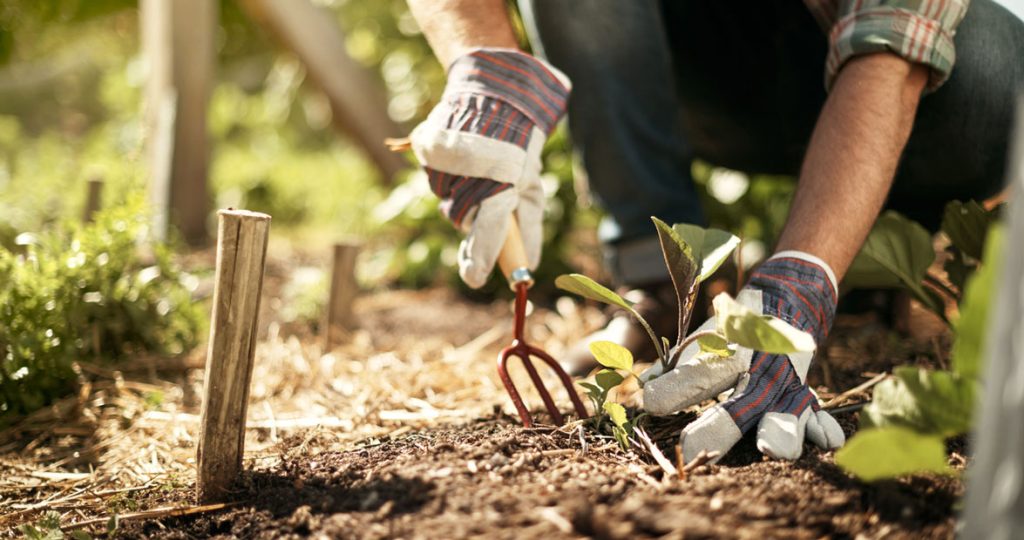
(86, 292)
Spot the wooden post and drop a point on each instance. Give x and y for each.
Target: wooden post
(93, 199)
(343, 292)
(178, 45)
(241, 254)
(358, 99)
(995, 487)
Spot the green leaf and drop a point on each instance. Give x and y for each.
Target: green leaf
(714, 344)
(588, 288)
(936, 402)
(898, 252)
(711, 247)
(874, 454)
(617, 413)
(682, 268)
(608, 379)
(593, 390)
(972, 326)
(612, 355)
(966, 224)
(756, 331)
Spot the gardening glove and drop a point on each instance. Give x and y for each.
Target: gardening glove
(481, 145)
(769, 390)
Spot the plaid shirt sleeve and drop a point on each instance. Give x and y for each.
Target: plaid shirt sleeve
(920, 31)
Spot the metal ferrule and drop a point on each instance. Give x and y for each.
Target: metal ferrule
(520, 275)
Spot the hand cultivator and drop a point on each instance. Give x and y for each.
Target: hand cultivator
(512, 261)
(514, 266)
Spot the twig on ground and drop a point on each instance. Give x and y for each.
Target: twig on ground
(156, 513)
(655, 452)
(855, 390)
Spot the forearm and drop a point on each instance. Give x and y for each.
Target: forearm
(852, 157)
(453, 27)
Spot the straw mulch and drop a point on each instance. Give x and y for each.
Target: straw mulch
(128, 437)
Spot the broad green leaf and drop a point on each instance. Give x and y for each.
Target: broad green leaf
(937, 402)
(617, 413)
(588, 288)
(612, 355)
(966, 224)
(898, 252)
(593, 390)
(608, 379)
(972, 326)
(710, 247)
(715, 344)
(875, 454)
(682, 268)
(756, 331)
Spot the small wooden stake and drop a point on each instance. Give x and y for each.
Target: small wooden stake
(343, 291)
(241, 254)
(93, 199)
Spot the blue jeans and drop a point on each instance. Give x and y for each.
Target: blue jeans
(740, 84)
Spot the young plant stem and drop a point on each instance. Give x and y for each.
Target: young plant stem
(691, 339)
(654, 338)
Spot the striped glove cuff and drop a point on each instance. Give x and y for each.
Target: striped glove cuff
(532, 87)
(800, 289)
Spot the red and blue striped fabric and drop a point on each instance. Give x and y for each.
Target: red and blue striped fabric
(800, 293)
(502, 95)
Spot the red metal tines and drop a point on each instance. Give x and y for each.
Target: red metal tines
(524, 351)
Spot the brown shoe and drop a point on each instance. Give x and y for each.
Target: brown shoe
(655, 303)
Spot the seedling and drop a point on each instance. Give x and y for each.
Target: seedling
(692, 255)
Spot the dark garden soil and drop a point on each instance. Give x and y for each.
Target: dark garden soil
(490, 478)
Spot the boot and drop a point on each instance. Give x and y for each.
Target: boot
(655, 303)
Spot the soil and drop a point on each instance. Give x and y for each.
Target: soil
(490, 478)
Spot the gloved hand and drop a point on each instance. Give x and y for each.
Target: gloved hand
(481, 145)
(769, 389)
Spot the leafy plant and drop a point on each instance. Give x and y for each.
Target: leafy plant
(613, 357)
(87, 292)
(736, 325)
(692, 255)
(899, 252)
(914, 412)
(48, 528)
(622, 426)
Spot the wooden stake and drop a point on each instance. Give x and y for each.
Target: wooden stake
(93, 199)
(241, 255)
(343, 292)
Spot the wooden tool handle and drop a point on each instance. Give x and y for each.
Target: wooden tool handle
(512, 258)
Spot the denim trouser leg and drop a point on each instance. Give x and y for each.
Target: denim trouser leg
(623, 120)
